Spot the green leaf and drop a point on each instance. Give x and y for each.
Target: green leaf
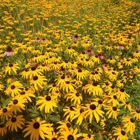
(5, 102)
(96, 125)
(54, 118)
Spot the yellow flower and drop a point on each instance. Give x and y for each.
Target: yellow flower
(11, 68)
(37, 128)
(70, 134)
(3, 129)
(38, 81)
(93, 110)
(5, 112)
(120, 134)
(129, 124)
(46, 103)
(14, 88)
(15, 122)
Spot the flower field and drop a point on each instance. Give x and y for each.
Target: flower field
(69, 70)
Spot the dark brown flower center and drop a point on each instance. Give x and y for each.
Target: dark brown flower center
(48, 98)
(71, 108)
(122, 90)
(81, 110)
(70, 137)
(12, 86)
(22, 93)
(9, 49)
(36, 125)
(115, 97)
(77, 94)
(35, 77)
(137, 111)
(123, 133)
(13, 119)
(15, 101)
(100, 101)
(114, 108)
(1, 125)
(94, 84)
(33, 68)
(92, 107)
(68, 125)
(132, 120)
(10, 65)
(67, 82)
(54, 138)
(89, 135)
(4, 110)
(79, 70)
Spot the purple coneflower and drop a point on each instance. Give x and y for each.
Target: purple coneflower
(37, 40)
(9, 51)
(100, 56)
(89, 52)
(75, 38)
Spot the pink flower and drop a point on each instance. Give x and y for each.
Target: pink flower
(9, 51)
(75, 38)
(89, 51)
(105, 66)
(37, 40)
(101, 56)
(122, 47)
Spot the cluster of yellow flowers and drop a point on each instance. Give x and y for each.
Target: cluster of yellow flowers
(69, 71)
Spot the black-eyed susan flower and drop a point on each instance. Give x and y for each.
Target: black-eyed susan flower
(38, 81)
(5, 112)
(93, 111)
(37, 128)
(27, 93)
(129, 124)
(11, 68)
(52, 136)
(74, 97)
(136, 114)
(14, 88)
(94, 89)
(3, 129)
(64, 125)
(69, 112)
(71, 134)
(46, 103)
(17, 104)
(79, 114)
(9, 51)
(15, 122)
(87, 136)
(112, 111)
(120, 134)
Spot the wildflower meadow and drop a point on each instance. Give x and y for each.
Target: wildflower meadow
(69, 70)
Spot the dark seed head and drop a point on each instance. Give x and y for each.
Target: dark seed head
(4, 110)
(36, 125)
(132, 120)
(10, 65)
(79, 70)
(67, 82)
(22, 93)
(71, 108)
(9, 49)
(70, 137)
(13, 119)
(94, 84)
(54, 138)
(68, 125)
(48, 98)
(81, 110)
(123, 133)
(137, 111)
(100, 101)
(89, 135)
(1, 125)
(77, 94)
(92, 107)
(115, 97)
(12, 86)
(15, 101)
(114, 108)
(33, 68)
(35, 77)
(122, 90)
